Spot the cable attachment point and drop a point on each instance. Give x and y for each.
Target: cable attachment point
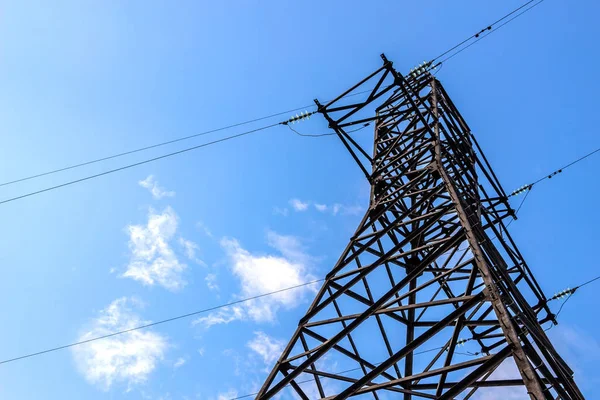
(563, 293)
(298, 118)
(419, 69)
(522, 189)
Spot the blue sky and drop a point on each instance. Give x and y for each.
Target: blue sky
(84, 79)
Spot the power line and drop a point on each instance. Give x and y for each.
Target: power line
(476, 35)
(588, 282)
(136, 164)
(149, 147)
(164, 321)
(519, 208)
(528, 187)
(140, 149)
(286, 123)
(489, 29)
(560, 170)
(562, 305)
(569, 292)
(326, 134)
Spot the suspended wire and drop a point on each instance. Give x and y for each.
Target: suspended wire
(560, 170)
(562, 305)
(164, 321)
(326, 134)
(148, 147)
(117, 155)
(287, 123)
(588, 282)
(569, 293)
(552, 174)
(311, 135)
(490, 29)
(136, 164)
(519, 208)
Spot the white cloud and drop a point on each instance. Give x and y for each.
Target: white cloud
(190, 249)
(333, 209)
(129, 358)
(230, 394)
(200, 225)
(290, 247)
(321, 207)
(346, 210)
(152, 185)
(153, 261)
(268, 348)
(264, 273)
(179, 362)
(201, 351)
(211, 281)
(298, 205)
(280, 211)
(223, 316)
(259, 274)
(336, 208)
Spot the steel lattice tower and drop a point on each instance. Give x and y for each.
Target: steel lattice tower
(431, 267)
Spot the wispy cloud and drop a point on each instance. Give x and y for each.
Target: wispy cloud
(153, 260)
(211, 281)
(267, 347)
(321, 207)
(345, 209)
(129, 358)
(202, 226)
(190, 248)
(264, 273)
(179, 362)
(281, 211)
(298, 205)
(333, 209)
(228, 395)
(223, 316)
(152, 185)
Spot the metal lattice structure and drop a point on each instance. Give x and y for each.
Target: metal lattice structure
(431, 267)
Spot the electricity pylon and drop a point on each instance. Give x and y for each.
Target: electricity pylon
(431, 299)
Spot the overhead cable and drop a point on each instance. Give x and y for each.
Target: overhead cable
(86, 178)
(164, 321)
